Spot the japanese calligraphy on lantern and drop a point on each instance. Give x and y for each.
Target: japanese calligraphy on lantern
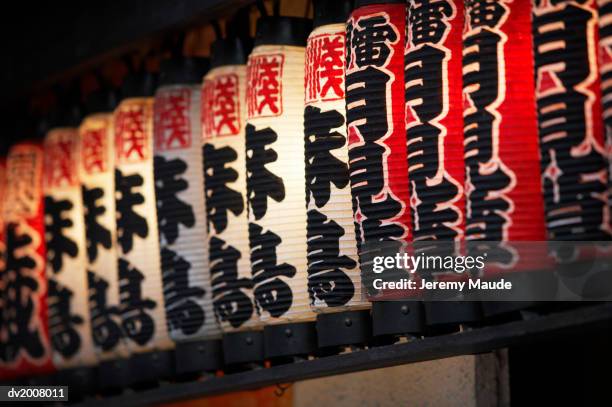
(181, 213)
(141, 300)
(574, 166)
(333, 274)
(221, 107)
(605, 70)
(264, 85)
(24, 345)
(97, 176)
(275, 187)
(225, 183)
(375, 123)
(433, 129)
(69, 320)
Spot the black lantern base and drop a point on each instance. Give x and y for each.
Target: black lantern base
(397, 318)
(243, 348)
(452, 313)
(196, 357)
(297, 339)
(147, 369)
(81, 381)
(113, 376)
(344, 328)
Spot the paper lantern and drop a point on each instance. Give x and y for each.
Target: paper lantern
(334, 279)
(377, 143)
(573, 164)
(434, 132)
(275, 185)
(605, 70)
(181, 214)
(140, 277)
(503, 189)
(223, 137)
(24, 332)
(96, 169)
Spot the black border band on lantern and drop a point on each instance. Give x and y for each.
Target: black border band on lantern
(182, 71)
(288, 340)
(243, 347)
(227, 51)
(452, 312)
(81, 381)
(331, 12)
(396, 318)
(113, 375)
(361, 3)
(344, 328)
(195, 357)
(147, 369)
(281, 30)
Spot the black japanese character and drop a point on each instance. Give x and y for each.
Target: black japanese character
(428, 20)
(129, 223)
(56, 221)
(137, 324)
(370, 40)
(95, 233)
(171, 211)
(105, 320)
(62, 322)
(219, 197)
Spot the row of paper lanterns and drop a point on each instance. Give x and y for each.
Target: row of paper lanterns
(223, 207)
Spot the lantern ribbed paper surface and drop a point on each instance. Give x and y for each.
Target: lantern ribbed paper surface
(97, 175)
(140, 276)
(223, 135)
(605, 69)
(568, 94)
(68, 300)
(334, 280)
(25, 332)
(503, 192)
(434, 121)
(275, 182)
(376, 123)
(179, 188)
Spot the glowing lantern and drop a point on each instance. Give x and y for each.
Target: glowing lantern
(96, 170)
(568, 95)
(181, 215)
(377, 143)
(140, 277)
(275, 185)
(24, 333)
(334, 280)
(223, 137)
(605, 70)
(68, 301)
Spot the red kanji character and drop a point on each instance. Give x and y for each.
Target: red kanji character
(93, 150)
(172, 128)
(226, 104)
(130, 134)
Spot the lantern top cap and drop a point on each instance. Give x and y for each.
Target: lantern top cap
(180, 70)
(331, 12)
(101, 100)
(139, 84)
(360, 3)
(276, 30)
(227, 51)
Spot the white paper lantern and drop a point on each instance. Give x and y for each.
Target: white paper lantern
(69, 320)
(140, 280)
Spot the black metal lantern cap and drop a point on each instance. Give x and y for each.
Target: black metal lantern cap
(227, 51)
(397, 318)
(101, 101)
(139, 84)
(297, 339)
(344, 328)
(112, 376)
(276, 30)
(147, 369)
(331, 11)
(452, 313)
(244, 347)
(182, 71)
(360, 3)
(196, 357)
(80, 380)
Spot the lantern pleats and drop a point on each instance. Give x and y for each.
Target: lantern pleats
(334, 280)
(275, 183)
(503, 190)
(376, 124)
(68, 300)
(223, 137)
(26, 345)
(568, 93)
(97, 176)
(140, 277)
(605, 69)
(181, 213)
